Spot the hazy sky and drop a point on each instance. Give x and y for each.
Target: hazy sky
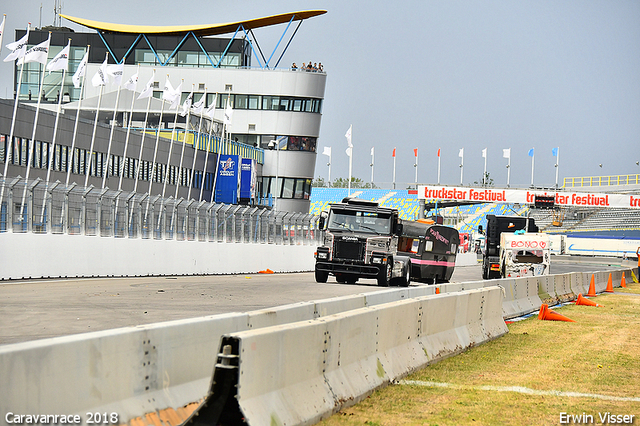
(441, 74)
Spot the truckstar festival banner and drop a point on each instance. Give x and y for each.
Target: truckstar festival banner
(525, 196)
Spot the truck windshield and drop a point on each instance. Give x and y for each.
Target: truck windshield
(356, 221)
(527, 256)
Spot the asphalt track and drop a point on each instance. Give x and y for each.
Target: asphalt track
(38, 309)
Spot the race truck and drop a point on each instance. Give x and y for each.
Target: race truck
(496, 226)
(524, 254)
(361, 241)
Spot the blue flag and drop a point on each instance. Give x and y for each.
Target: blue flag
(554, 152)
(531, 152)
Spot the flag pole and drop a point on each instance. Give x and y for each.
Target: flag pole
(394, 168)
(350, 167)
(105, 167)
(126, 139)
(13, 125)
(75, 126)
(144, 133)
(33, 134)
(484, 176)
(532, 161)
(509, 169)
(196, 142)
(52, 148)
(184, 140)
(155, 154)
(87, 167)
(329, 173)
(415, 165)
(462, 166)
(173, 132)
(372, 163)
(206, 157)
(557, 162)
(438, 166)
(4, 18)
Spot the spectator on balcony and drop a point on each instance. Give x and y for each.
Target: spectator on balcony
(294, 67)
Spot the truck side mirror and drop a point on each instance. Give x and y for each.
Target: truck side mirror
(480, 230)
(399, 227)
(322, 220)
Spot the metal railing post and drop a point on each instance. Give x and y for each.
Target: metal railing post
(49, 204)
(83, 213)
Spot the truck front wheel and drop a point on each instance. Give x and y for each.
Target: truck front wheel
(384, 275)
(321, 276)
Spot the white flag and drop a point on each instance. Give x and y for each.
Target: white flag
(327, 151)
(228, 114)
(132, 83)
(348, 136)
(82, 68)
(170, 94)
(148, 89)
(4, 18)
(210, 112)
(60, 61)
(484, 153)
(18, 48)
(116, 71)
(37, 53)
(506, 153)
(199, 106)
(101, 78)
(186, 105)
(349, 151)
(177, 94)
(372, 151)
(461, 153)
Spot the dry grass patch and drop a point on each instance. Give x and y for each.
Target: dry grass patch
(599, 354)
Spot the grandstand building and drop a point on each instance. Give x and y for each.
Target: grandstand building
(276, 111)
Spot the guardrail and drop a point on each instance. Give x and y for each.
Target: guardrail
(578, 182)
(289, 358)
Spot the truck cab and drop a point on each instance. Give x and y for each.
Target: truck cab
(361, 241)
(524, 254)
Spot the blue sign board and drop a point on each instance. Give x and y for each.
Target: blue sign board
(248, 179)
(228, 179)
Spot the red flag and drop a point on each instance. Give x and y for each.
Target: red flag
(415, 152)
(438, 152)
(394, 152)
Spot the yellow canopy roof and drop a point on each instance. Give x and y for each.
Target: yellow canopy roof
(198, 30)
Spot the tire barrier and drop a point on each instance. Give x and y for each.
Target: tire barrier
(300, 373)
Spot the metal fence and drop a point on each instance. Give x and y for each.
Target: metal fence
(33, 207)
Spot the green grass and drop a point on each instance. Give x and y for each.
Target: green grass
(598, 354)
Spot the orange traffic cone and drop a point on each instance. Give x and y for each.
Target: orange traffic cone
(549, 315)
(609, 285)
(623, 283)
(437, 290)
(584, 301)
(592, 287)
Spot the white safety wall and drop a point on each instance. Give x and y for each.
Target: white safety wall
(51, 255)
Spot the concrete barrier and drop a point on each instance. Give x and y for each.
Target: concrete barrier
(135, 371)
(297, 374)
(53, 255)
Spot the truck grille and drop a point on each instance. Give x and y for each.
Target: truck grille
(352, 250)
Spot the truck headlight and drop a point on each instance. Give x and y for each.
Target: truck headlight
(323, 255)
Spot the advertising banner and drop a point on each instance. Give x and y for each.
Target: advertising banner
(248, 179)
(527, 196)
(228, 180)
